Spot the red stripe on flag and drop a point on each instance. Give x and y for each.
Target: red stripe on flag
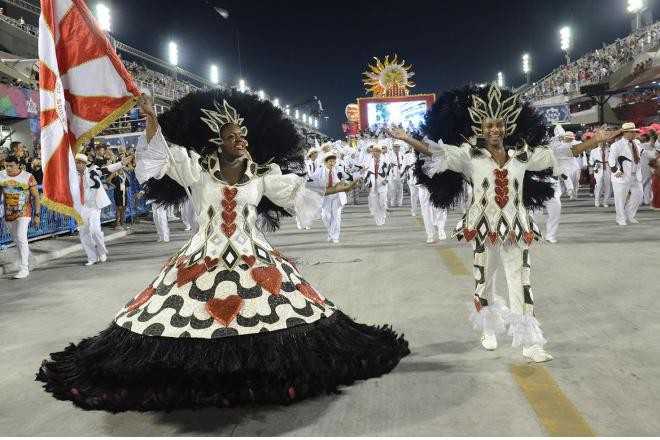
(93, 108)
(77, 43)
(47, 117)
(102, 40)
(47, 8)
(56, 175)
(47, 77)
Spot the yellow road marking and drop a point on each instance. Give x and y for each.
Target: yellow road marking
(450, 258)
(557, 414)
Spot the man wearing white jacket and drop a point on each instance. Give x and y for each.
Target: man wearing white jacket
(332, 205)
(376, 177)
(625, 162)
(94, 199)
(602, 174)
(396, 172)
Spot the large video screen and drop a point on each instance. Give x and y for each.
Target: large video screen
(408, 112)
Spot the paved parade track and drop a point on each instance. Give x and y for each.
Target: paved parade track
(595, 291)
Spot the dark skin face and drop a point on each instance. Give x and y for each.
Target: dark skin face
(494, 130)
(234, 144)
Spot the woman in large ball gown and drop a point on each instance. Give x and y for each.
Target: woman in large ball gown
(229, 319)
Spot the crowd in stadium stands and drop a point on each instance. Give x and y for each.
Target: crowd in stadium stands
(160, 83)
(596, 66)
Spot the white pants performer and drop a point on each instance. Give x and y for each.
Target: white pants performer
(91, 234)
(434, 218)
(647, 185)
(491, 315)
(188, 216)
(603, 187)
(395, 188)
(414, 197)
(626, 210)
(19, 231)
(331, 216)
(378, 205)
(553, 207)
(159, 214)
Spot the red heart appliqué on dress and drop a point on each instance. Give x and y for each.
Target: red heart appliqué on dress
(224, 310)
(269, 278)
(229, 216)
(492, 236)
(501, 201)
(228, 230)
(501, 174)
(141, 299)
(229, 206)
(469, 234)
(187, 274)
(249, 259)
(528, 237)
(310, 293)
(229, 193)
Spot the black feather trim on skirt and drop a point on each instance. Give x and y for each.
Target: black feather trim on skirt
(119, 370)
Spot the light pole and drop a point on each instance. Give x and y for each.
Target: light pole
(637, 8)
(214, 74)
(242, 86)
(526, 67)
(173, 56)
(565, 35)
(261, 94)
(500, 79)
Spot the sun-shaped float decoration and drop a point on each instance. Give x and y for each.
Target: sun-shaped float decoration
(388, 77)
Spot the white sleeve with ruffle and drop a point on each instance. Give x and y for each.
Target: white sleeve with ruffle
(154, 161)
(294, 194)
(446, 157)
(543, 158)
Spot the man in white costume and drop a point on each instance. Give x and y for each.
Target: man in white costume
(396, 176)
(376, 177)
(602, 175)
(647, 154)
(625, 164)
(332, 205)
(94, 199)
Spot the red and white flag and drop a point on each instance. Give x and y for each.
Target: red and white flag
(83, 88)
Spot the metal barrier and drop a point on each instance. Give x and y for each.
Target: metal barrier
(53, 223)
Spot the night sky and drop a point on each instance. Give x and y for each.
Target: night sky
(295, 49)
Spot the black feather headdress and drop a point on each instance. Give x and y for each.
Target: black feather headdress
(449, 119)
(271, 138)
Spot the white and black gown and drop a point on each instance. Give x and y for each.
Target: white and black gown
(228, 319)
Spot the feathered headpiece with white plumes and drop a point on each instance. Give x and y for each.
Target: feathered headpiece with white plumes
(220, 117)
(508, 110)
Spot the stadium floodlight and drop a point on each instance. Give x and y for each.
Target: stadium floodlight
(297, 114)
(173, 53)
(500, 79)
(565, 38)
(242, 86)
(276, 102)
(103, 17)
(525, 63)
(261, 94)
(214, 74)
(287, 110)
(316, 123)
(635, 6)
(304, 118)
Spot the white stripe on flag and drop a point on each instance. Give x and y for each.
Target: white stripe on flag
(61, 7)
(51, 137)
(79, 126)
(97, 77)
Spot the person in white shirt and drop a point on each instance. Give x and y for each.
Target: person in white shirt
(310, 161)
(396, 174)
(564, 140)
(159, 214)
(625, 164)
(18, 189)
(94, 199)
(376, 177)
(332, 205)
(409, 159)
(602, 174)
(647, 154)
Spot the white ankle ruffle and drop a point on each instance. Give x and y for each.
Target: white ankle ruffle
(492, 318)
(525, 330)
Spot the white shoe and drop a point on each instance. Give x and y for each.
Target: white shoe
(160, 240)
(622, 223)
(166, 240)
(605, 205)
(413, 214)
(103, 258)
(307, 228)
(551, 240)
(23, 273)
(489, 340)
(597, 204)
(90, 263)
(633, 221)
(335, 241)
(536, 353)
(187, 228)
(442, 235)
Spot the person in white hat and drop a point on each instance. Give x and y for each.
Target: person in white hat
(94, 199)
(310, 161)
(332, 205)
(562, 141)
(602, 175)
(376, 177)
(625, 163)
(396, 175)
